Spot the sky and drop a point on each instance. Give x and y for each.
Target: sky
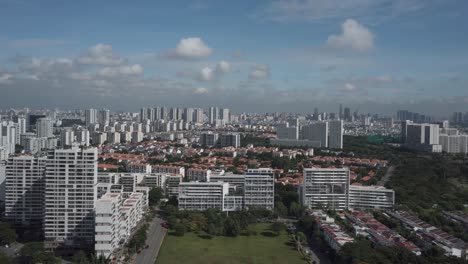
(286, 55)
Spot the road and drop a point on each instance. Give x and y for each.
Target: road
(155, 238)
(387, 176)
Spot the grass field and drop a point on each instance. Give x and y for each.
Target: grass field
(259, 249)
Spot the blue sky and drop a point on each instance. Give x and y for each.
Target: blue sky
(286, 55)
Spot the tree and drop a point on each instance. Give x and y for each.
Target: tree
(231, 227)
(296, 210)
(277, 227)
(79, 258)
(179, 230)
(31, 248)
(154, 196)
(281, 209)
(45, 258)
(7, 233)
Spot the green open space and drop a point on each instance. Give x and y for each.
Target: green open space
(264, 247)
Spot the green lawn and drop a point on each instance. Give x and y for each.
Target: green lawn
(257, 249)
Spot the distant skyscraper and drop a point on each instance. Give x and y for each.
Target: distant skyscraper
(21, 125)
(198, 115)
(90, 116)
(316, 132)
(188, 115)
(347, 114)
(284, 131)
(225, 115)
(44, 127)
(213, 114)
(157, 113)
(143, 114)
(104, 116)
(335, 138)
(67, 137)
(341, 111)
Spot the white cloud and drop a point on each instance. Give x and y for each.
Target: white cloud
(318, 10)
(124, 70)
(223, 67)
(101, 54)
(200, 90)
(5, 78)
(354, 36)
(259, 72)
(210, 74)
(206, 74)
(190, 48)
(349, 87)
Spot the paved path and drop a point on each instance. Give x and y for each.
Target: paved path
(155, 238)
(387, 176)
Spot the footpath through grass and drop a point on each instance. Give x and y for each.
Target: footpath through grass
(258, 249)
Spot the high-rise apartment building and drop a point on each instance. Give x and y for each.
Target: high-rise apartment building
(21, 125)
(325, 188)
(70, 182)
(67, 137)
(104, 116)
(25, 186)
(202, 195)
(198, 115)
(370, 198)
(424, 137)
(44, 127)
(335, 136)
(209, 139)
(8, 136)
(213, 114)
(317, 132)
(285, 131)
(90, 116)
(259, 191)
(188, 115)
(225, 115)
(229, 140)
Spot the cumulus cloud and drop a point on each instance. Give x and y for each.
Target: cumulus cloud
(190, 49)
(200, 90)
(101, 54)
(124, 70)
(354, 36)
(206, 74)
(259, 72)
(210, 74)
(223, 67)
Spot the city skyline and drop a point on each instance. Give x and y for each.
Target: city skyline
(373, 56)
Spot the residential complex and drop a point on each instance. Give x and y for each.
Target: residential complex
(325, 188)
(228, 192)
(329, 188)
(71, 178)
(24, 190)
(322, 134)
(370, 197)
